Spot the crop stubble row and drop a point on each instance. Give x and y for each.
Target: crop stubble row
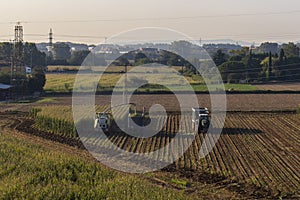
(262, 149)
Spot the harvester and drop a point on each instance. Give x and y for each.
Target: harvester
(105, 121)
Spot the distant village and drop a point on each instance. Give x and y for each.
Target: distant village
(23, 65)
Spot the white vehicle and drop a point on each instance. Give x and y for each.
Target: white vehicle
(102, 121)
(200, 120)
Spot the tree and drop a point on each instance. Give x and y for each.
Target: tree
(180, 46)
(236, 58)
(290, 50)
(249, 65)
(219, 58)
(232, 71)
(267, 47)
(269, 73)
(281, 56)
(6, 51)
(95, 59)
(78, 57)
(32, 56)
(141, 59)
(36, 81)
(253, 66)
(61, 51)
(4, 78)
(121, 61)
(175, 60)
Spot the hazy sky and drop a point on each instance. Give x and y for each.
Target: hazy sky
(253, 21)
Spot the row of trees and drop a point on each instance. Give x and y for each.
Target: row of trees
(28, 84)
(61, 54)
(236, 66)
(246, 66)
(239, 65)
(31, 57)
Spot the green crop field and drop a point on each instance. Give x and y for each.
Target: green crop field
(32, 171)
(64, 83)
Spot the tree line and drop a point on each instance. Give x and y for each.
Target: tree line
(265, 63)
(248, 66)
(30, 57)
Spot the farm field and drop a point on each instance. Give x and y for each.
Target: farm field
(63, 82)
(235, 102)
(256, 156)
(54, 170)
(33, 168)
(257, 151)
(280, 87)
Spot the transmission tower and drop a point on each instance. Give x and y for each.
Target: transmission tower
(18, 32)
(17, 64)
(50, 37)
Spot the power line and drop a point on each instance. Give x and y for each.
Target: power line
(290, 79)
(79, 36)
(100, 37)
(244, 71)
(163, 18)
(277, 81)
(256, 68)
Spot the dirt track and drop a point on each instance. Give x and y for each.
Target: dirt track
(280, 87)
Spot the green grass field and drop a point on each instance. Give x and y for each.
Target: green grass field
(32, 171)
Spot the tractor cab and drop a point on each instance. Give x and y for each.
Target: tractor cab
(200, 119)
(102, 121)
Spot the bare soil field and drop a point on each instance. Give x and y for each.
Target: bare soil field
(235, 102)
(280, 87)
(260, 153)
